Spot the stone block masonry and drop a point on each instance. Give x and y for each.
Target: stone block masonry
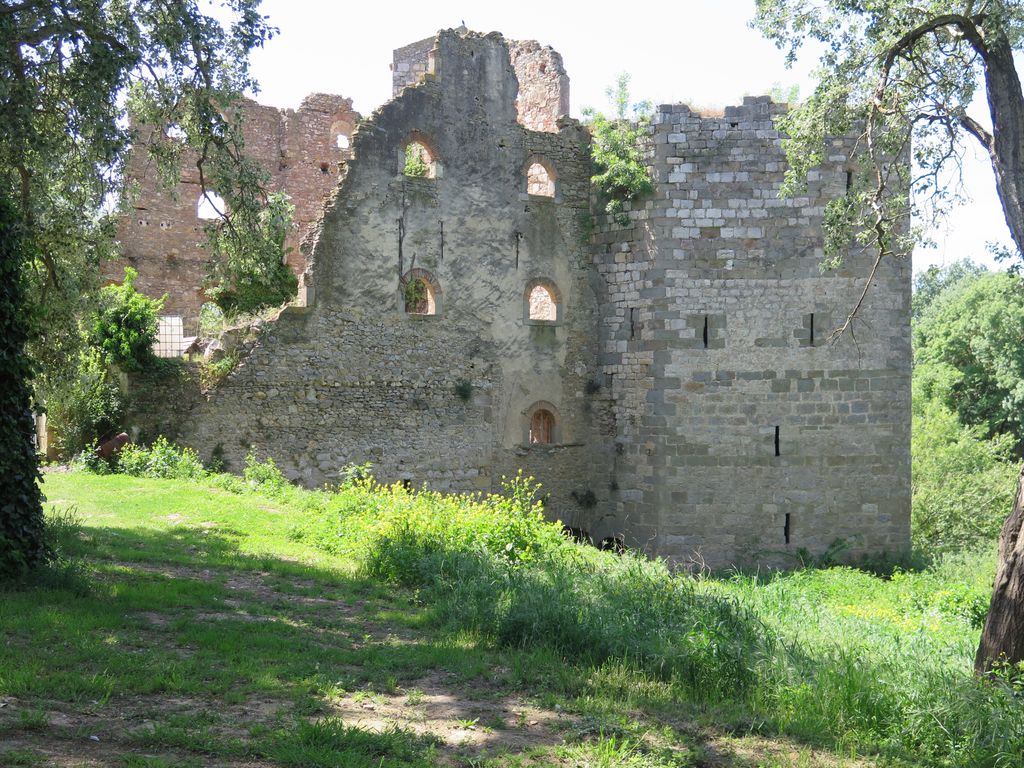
(674, 384)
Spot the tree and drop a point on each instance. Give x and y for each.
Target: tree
(968, 354)
(71, 71)
(903, 75)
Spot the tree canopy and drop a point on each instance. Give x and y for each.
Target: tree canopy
(902, 76)
(71, 73)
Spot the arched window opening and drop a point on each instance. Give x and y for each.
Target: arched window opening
(419, 161)
(341, 133)
(542, 304)
(539, 181)
(542, 427)
(420, 293)
(210, 206)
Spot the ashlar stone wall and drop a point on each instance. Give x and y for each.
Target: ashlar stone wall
(743, 433)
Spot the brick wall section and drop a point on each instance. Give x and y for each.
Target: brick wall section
(163, 238)
(716, 248)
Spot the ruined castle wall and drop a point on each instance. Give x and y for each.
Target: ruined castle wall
(353, 378)
(410, 63)
(164, 237)
(543, 85)
(716, 251)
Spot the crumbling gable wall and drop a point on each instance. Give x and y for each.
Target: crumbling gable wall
(164, 237)
(444, 399)
(743, 433)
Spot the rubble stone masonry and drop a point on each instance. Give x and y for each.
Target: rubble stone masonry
(700, 410)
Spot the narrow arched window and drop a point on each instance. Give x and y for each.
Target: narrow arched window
(418, 161)
(421, 293)
(542, 302)
(540, 181)
(542, 427)
(210, 206)
(341, 131)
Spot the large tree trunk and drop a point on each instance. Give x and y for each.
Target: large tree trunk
(1003, 636)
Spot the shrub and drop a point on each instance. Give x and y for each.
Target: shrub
(962, 484)
(248, 271)
(620, 170)
(160, 460)
(125, 325)
(263, 475)
(86, 407)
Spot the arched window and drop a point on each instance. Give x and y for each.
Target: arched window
(542, 427)
(419, 157)
(341, 133)
(540, 181)
(421, 293)
(210, 206)
(542, 302)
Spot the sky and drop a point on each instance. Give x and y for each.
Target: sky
(700, 52)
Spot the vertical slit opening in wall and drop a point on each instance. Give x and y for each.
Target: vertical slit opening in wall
(812, 329)
(705, 331)
(849, 180)
(632, 323)
(777, 440)
(785, 528)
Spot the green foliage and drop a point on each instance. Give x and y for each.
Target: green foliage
(263, 475)
(493, 564)
(248, 271)
(213, 372)
(962, 483)
(160, 460)
(22, 544)
(86, 407)
(620, 169)
(124, 326)
(968, 353)
(416, 164)
(900, 75)
(934, 281)
(415, 293)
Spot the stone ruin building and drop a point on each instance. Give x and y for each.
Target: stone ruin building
(667, 376)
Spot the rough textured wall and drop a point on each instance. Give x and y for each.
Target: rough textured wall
(163, 239)
(739, 437)
(442, 399)
(543, 85)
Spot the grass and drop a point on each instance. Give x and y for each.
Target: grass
(377, 627)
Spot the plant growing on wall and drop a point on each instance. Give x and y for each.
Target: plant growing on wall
(620, 171)
(415, 162)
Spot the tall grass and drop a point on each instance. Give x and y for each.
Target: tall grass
(835, 655)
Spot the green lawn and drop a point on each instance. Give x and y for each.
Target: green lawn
(216, 630)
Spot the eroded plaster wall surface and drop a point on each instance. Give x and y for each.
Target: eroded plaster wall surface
(164, 237)
(699, 411)
(441, 399)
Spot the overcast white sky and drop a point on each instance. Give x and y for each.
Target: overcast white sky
(701, 52)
